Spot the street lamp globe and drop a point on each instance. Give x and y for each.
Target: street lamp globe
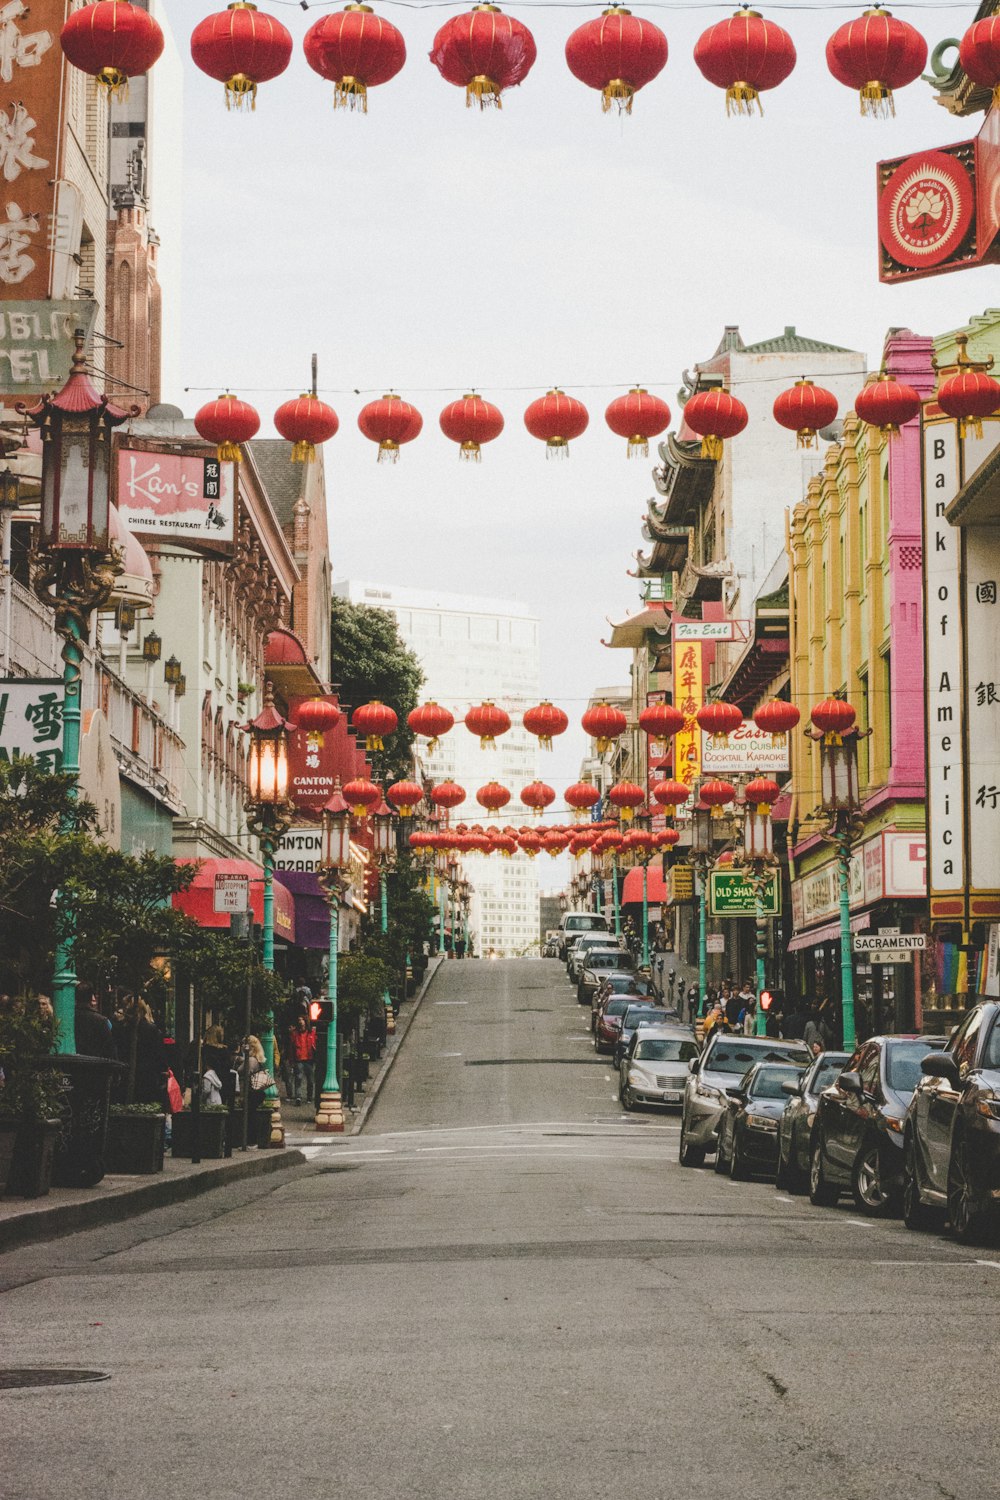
(336, 831)
(10, 487)
(383, 831)
(267, 762)
(172, 671)
(151, 647)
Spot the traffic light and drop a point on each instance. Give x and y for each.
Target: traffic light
(765, 999)
(321, 1012)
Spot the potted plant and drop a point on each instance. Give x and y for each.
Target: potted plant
(135, 1139)
(211, 1123)
(31, 1100)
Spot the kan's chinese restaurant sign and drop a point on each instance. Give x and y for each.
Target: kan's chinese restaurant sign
(186, 497)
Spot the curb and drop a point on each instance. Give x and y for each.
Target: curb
(374, 1088)
(66, 1218)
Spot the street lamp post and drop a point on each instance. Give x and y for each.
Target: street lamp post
(701, 858)
(9, 502)
(384, 832)
(440, 871)
(269, 816)
(758, 853)
(336, 857)
(75, 576)
(642, 824)
(841, 796)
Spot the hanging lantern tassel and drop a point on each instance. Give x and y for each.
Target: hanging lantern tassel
(711, 446)
(303, 453)
(637, 447)
(471, 453)
(374, 742)
(240, 88)
(806, 438)
(743, 99)
(228, 453)
(351, 93)
(484, 92)
(877, 102)
(557, 447)
(627, 814)
(617, 93)
(388, 451)
(115, 82)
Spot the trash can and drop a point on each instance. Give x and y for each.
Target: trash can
(80, 1149)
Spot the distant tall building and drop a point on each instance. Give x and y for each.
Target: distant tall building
(471, 649)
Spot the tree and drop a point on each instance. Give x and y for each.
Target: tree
(123, 917)
(368, 659)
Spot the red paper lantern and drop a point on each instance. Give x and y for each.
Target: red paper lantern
(745, 54)
(361, 794)
(776, 717)
(488, 721)
(555, 419)
(545, 721)
(762, 792)
(227, 422)
(661, 721)
(640, 841)
(667, 837)
(355, 50)
(241, 47)
(305, 422)
(374, 720)
(506, 843)
(715, 415)
(470, 423)
(887, 403)
(626, 796)
(618, 54)
(447, 794)
(390, 422)
(637, 417)
(670, 793)
(965, 391)
(578, 846)
(581, 795)
(537, 795)
(316, 716)
(484, 52)
(554, 843)
(716, 793)
(432, 720)
(833, 718)
(719, 720)
(979, 54)
(113, 41)
(530, 843)
(405, 796)
(493, 796)
(604, 724)
(420, 841)
(875, 54)
(804, 409)
(479, 843)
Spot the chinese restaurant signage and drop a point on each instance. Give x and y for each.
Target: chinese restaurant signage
(186, 497)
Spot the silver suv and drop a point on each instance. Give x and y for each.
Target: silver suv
(721, 1065)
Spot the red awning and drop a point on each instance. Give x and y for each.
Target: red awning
(199, 898)
(656, 889)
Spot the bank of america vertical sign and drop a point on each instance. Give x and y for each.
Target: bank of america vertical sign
(981, 599)
(946, 863)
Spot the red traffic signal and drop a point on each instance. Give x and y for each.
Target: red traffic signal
(315, 1010)
(765, 999)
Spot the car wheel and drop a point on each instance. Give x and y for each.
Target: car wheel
(870, 1195)
(737, 1166)
(719, 1165)
(627, 1097)
(970, 1220)
(796, 1181)
(822, 1193)
(690, 1156)
(916, 1214)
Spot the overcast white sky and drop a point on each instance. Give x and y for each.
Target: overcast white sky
(431, 248)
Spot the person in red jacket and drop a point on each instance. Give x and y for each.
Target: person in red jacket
(303, 1047)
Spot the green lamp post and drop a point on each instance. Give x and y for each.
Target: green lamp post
(760, 863)
(336, 857)
(701, 858)
(269, 816)
(384, 838)
(76, 576)
(643, 845)
(837, 737)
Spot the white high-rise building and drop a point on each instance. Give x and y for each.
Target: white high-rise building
(472, 649)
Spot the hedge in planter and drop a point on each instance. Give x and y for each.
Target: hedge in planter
(135, 1139)
(32, 1101)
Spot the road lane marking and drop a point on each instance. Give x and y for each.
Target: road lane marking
(861, 1223)
(451, 1002)
(993, 1264)
(449, 1054)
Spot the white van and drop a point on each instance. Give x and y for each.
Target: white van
(575, 922)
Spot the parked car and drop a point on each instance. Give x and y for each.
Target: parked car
(619, 982)
(575, 922)
(951, 1139)
(655, 1066)
(592, 943)
(857, 1140)
(798, 1118)
(725, 1059)
(640, 1014)
(748, 1126)
(609, 1020)
(598, 962)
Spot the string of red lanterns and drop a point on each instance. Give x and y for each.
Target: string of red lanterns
(486, 52)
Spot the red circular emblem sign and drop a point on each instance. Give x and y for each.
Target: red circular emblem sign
(925, 209)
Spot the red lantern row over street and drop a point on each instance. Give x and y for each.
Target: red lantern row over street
(979, 54)
(626, 796)
(670, 794)
(484, 52)
(715, 415)
(305, 423)
(432, 721)
(966, 391)
(745, 55)
(545, 721)
(375, 721)
(604, 724)
(555, 419)
(488, 721)
(316, 716)
(241, 47)
(776, 717)
(581, 795)
(660, 721)
(227, 422)
(833, 718)
(719, 719)
(637, 416)
(405, 796)
(538, 795)
(887, 403)
(390, 422)
(805, 409)
(617, 54)
(447, 794)
(876, 53)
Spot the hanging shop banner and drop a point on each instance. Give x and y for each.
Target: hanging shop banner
(31, 720)
(186, 497)
(36, 339)
(732, 894)
(680, 884)
(747, 749)
(301, 849)
(688, 698)
(31, 103)
(712, 630)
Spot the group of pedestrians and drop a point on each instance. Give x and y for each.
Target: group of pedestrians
(733, 1008)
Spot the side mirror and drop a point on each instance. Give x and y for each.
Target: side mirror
(940, 1065)
(693, 1064)
(850, 1083)
(736, 1093)
(789, 1086)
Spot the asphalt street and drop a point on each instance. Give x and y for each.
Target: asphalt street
(503, 1288)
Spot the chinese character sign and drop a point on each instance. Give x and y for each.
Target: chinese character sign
(32, 74)
(31, 721)
(186, 497)
(688, 698)
(982, 715)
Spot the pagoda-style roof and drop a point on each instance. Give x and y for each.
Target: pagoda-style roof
(671, 545)
(634, 630)
(978, 501)
(793, 342)
(685, 480)
(955, 92)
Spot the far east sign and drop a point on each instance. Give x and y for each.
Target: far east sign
(731, 894)
(31, 721)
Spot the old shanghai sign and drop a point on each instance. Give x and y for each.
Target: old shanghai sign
(186, 497)
(731, 894)
(746, 750)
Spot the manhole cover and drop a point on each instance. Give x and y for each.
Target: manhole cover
(17, 1380)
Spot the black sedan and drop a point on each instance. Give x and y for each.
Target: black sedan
(799, 1116)
(857, 1143)
(748, 1127)
(640, 1014)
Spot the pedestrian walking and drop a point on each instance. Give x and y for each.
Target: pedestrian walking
(302, 1051)
(92, 1030)
(217, 1058)
(251, 1065)
(716, 1017)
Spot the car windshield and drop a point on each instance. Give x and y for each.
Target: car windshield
(604, 961)
(827, 1073)
(618, 1005)
(665, 1049)
(584, 923)
(622, 983)
(737, 1057)
(766, 1083)
(902, 1064)
(647, 1014)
